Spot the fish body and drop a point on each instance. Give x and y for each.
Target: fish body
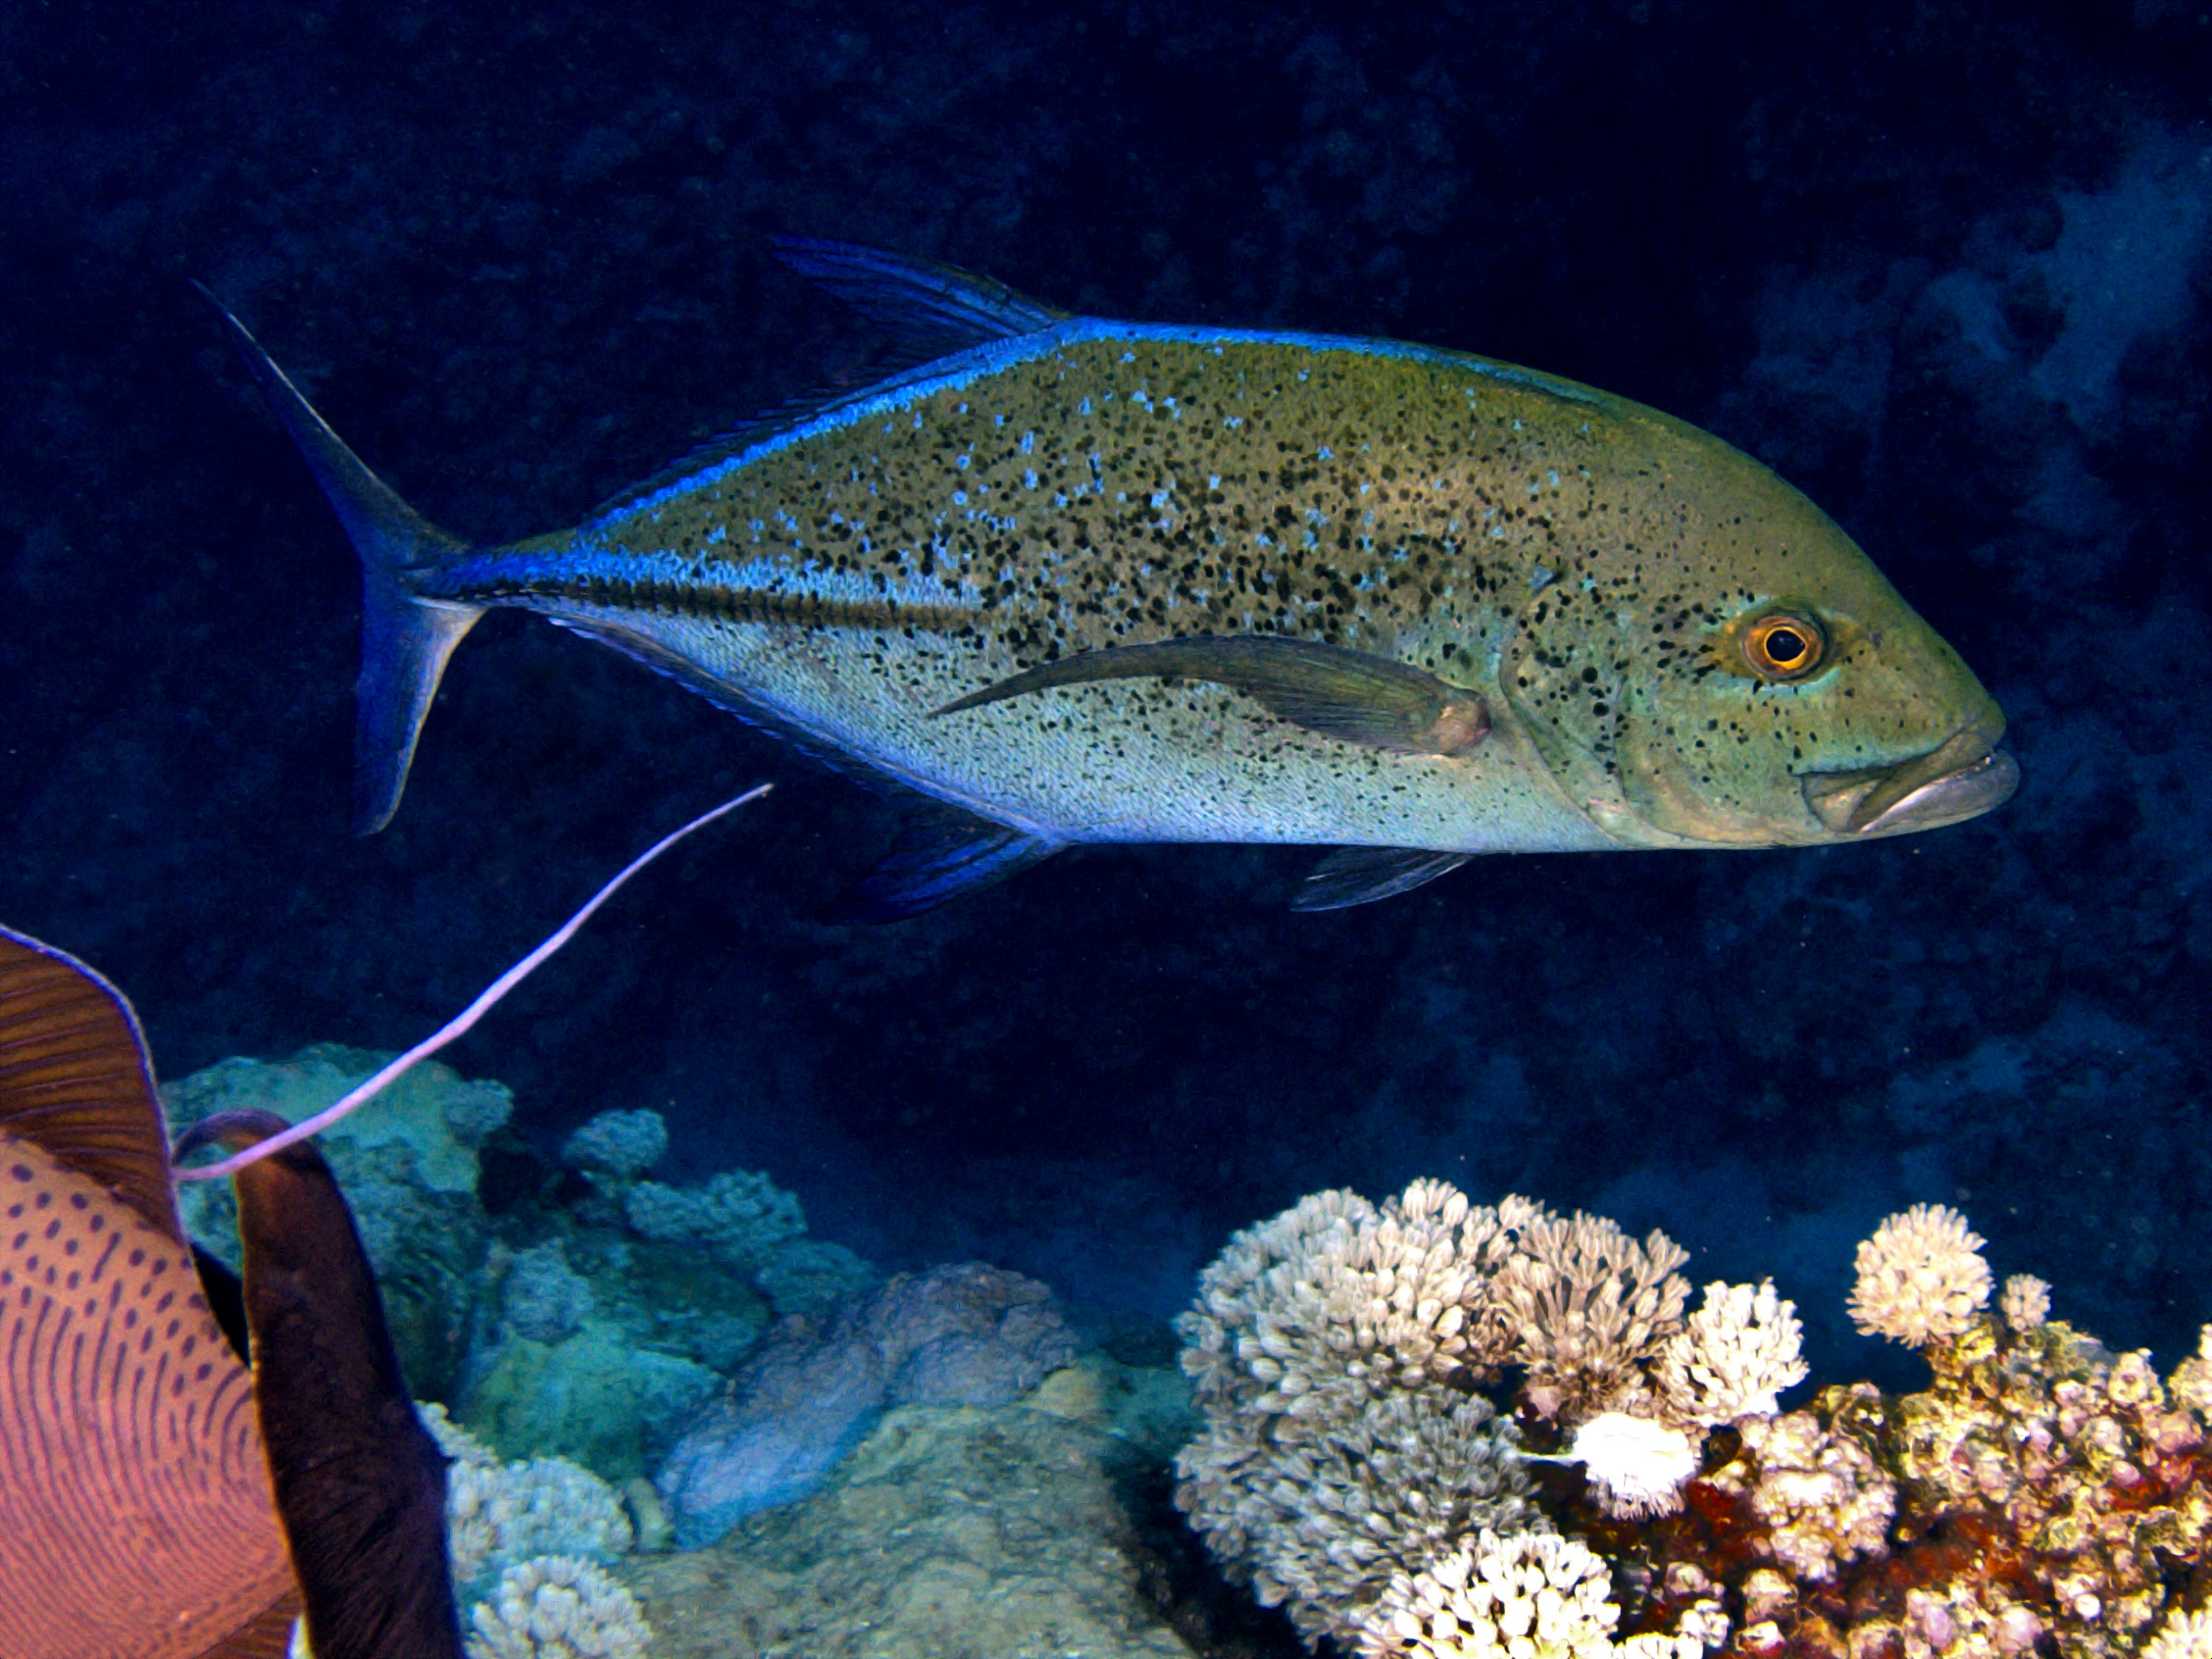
(1095, 580)
(158, 1498)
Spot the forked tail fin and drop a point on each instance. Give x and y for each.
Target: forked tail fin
(406, 640)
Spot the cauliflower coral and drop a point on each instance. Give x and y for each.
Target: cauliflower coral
(558, 1607)
(1921, 1278)
(1527, 1595)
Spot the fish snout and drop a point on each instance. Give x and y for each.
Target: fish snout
(1968, 773)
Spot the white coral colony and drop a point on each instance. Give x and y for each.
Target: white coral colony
(1921, 1278)
(1345, 1353)
(1738, 1351)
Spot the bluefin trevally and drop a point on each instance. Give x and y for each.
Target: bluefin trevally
(1077, 579)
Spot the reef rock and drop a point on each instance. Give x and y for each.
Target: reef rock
(593, 1396)
(948, 1531)
(964, 1336)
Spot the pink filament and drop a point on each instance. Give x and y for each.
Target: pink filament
(462, 1020)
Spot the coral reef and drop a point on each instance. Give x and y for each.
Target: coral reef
(2040, 1494)
(739, 1217)
(589, 1322)
(2185, 1635)
(558, 1607)
(1337, 1350)
(1322, 1526)
(501, 1515)
(408, 1162)
(1531, 1594)
(1578, 1304)
(1737, 1353)
(623, 1144)
(1031, 1528)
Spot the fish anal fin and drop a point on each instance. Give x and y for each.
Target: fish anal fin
(927, 309)
(1352, 875)
(1353, 697)
(941, 855)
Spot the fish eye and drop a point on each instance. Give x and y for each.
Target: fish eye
(1785, 646)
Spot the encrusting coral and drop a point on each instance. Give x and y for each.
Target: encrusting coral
(621, 1143)
(2041, 1496)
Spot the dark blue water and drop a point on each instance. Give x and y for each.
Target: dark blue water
(1948, 274)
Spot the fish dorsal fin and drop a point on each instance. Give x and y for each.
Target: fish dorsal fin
(927, 309)
(1352, 875)
(74, 1078)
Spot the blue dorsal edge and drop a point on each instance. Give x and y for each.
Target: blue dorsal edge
(929, 309)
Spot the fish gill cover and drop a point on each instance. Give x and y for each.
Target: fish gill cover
(1945, 273)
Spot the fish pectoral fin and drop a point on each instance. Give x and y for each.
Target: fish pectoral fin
(941, 855)
(927, 309)
(1352, 875)
(1353, 697)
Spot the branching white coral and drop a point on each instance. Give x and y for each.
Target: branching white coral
(2026, 1302)
(1734, 1356)
(1581, 1303)
(2183, 1635)
(1334, 1301)
(497, 1514)
(1525, 1596)
(558, 1607)
(1921, 1278)
(1320, 1526)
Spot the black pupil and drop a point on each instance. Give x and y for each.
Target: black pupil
(1785, 646)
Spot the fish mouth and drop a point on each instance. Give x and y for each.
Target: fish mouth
(1967, 775)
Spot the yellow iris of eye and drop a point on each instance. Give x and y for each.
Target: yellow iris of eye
(1785, 646)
